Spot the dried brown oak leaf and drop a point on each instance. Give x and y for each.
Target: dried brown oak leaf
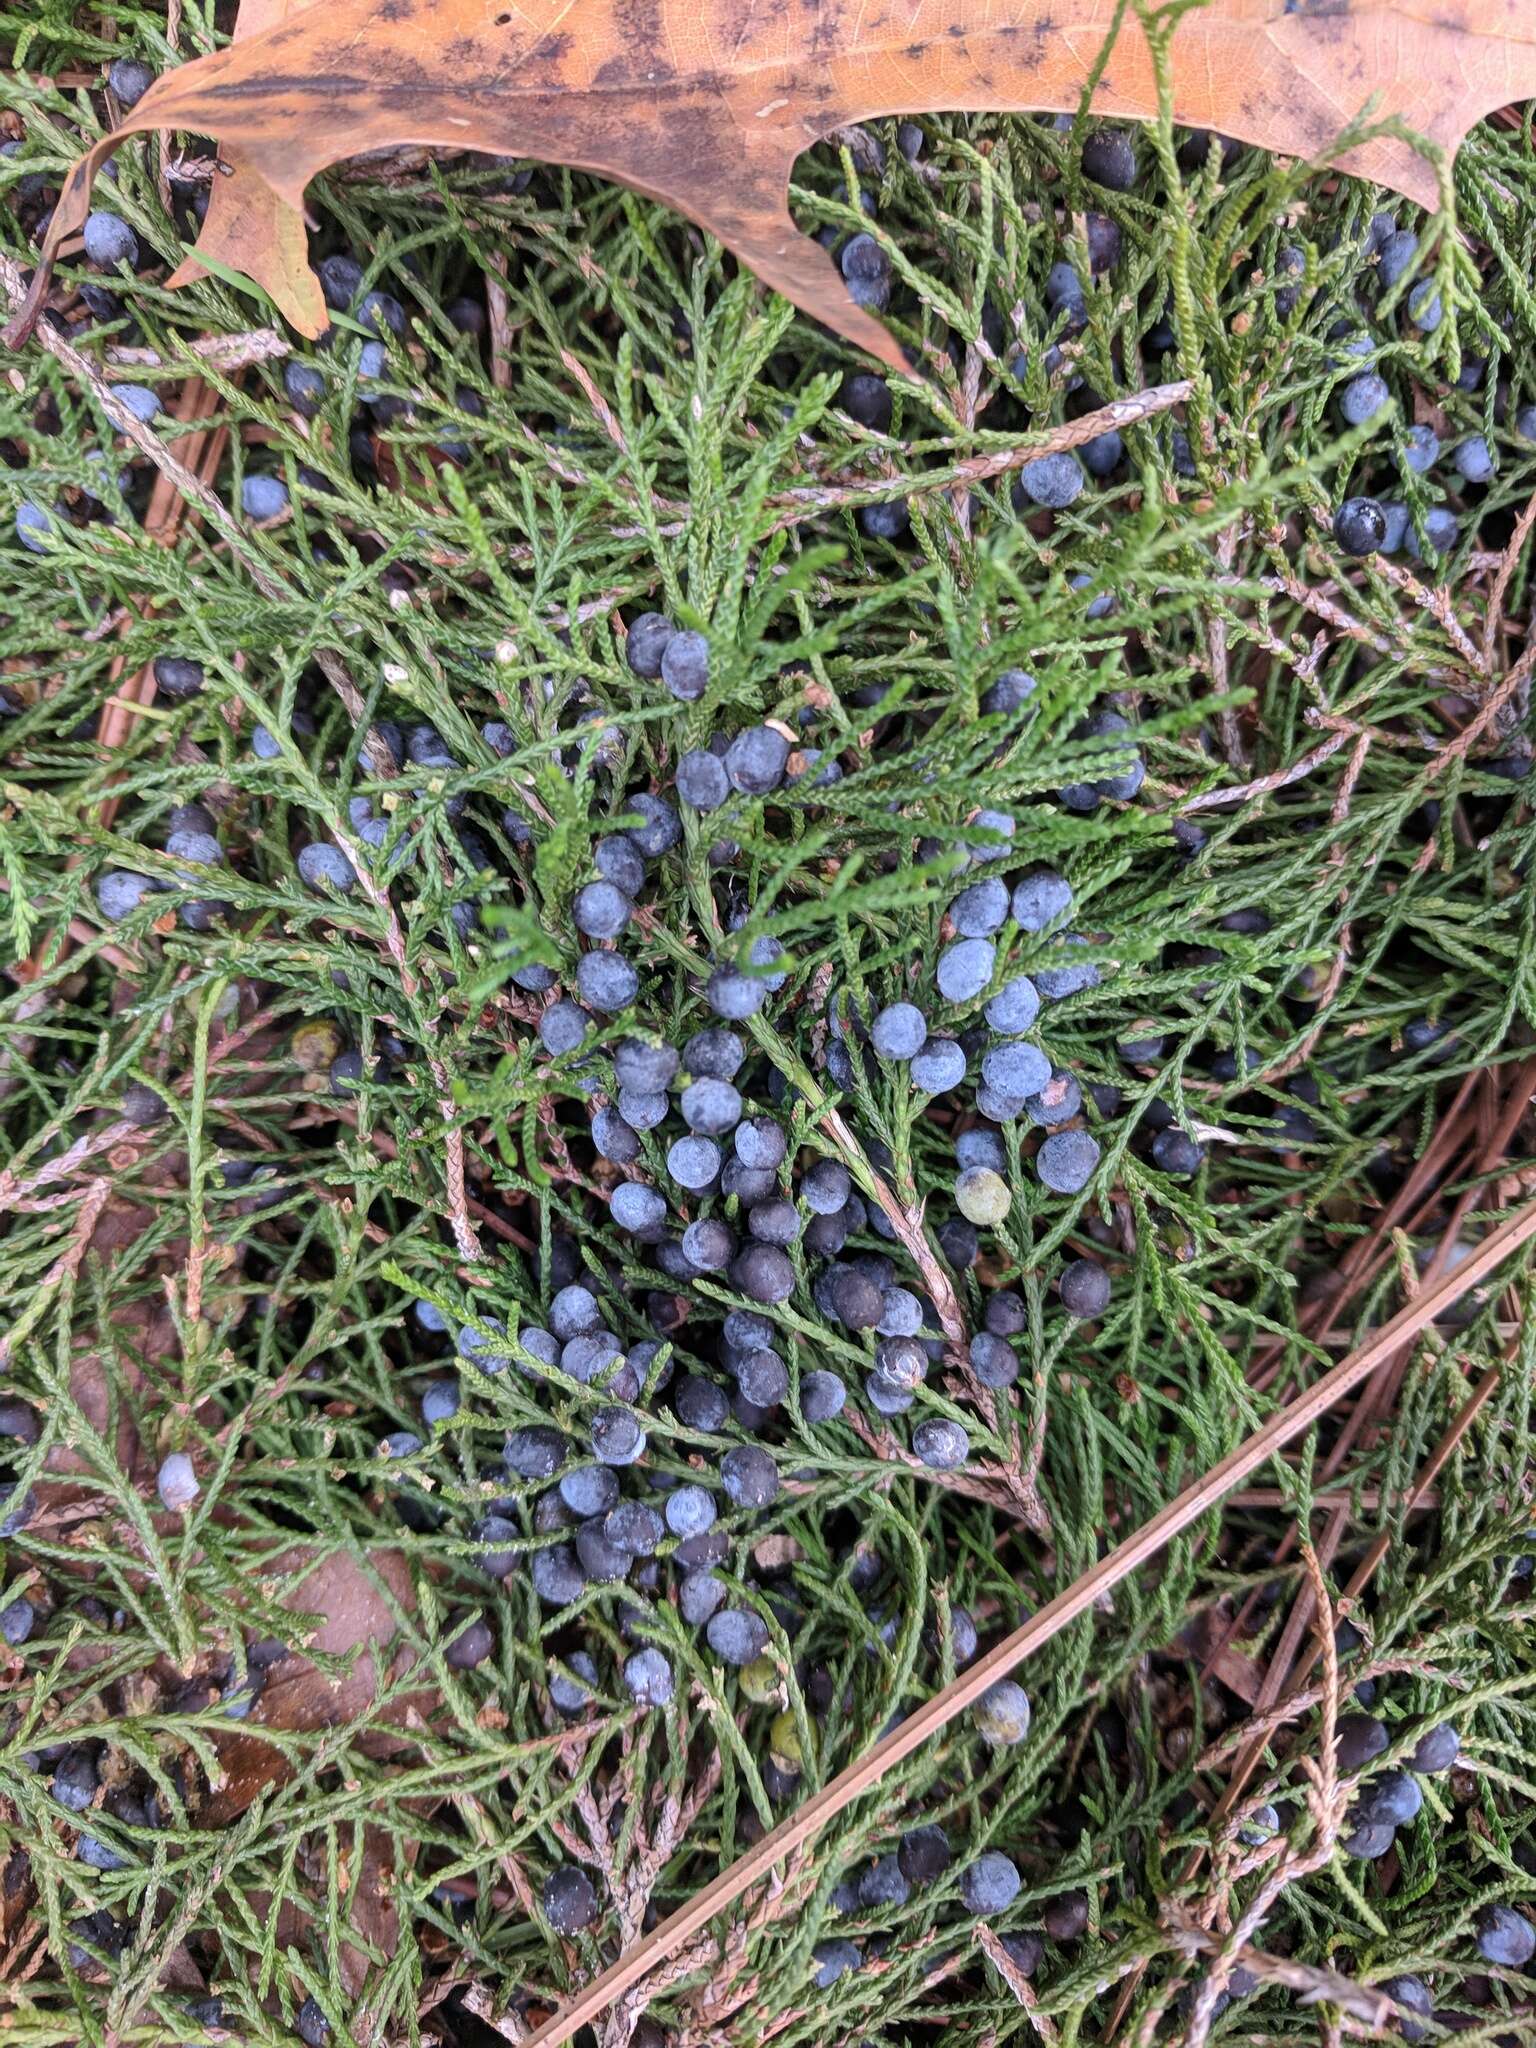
(247, 227)
(706, 104)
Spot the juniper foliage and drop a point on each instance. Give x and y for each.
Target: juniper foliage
(638, 428)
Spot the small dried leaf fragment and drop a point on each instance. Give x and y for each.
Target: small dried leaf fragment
(354, 1609)
(705, 104)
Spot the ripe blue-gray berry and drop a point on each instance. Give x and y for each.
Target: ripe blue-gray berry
(659, 829)
(1359, 526)
(263, 497)
(470, 1646)
(1050, 481)
(646, 643)
(1085, 1288)
(990, 1884)
(978, 911)
(995, 830)
(822, 1396)
(176, 1482)
(690, 1510)
(570, 1902)
(1411, 1996)
(833, 1959)
(825, 1187)
(965, 968)
(923, 1854)
(616, 1437)
(756, 759)
(120, 893)
(606, 982)
(867, 273)
(648, 1677)
(74, 1780)
(736, 1635)
(710, 1106)
(143, 403)
(1066, 1162)
(637, 1208)
(109, 241)
(1109, 158)
(1040, 898)
(942, 1445)
(1010, 693)
(938, 1066)
(35, 527)
(715, 1052)
(1437, 1750)
(311, 2024)
(685, 666)
(1474, 459)
(325, 868)
(562, 1027)
(17, 1619)
(1395, 256)
(749, 1476)
(1363, 397)
(130, 79)
(1425, 307)
(557, 1576)
(1392, 1799)
(1504, 1937)
(898, 1031)
(1176, 1152)
(1358, 1740)
(702, 781)
(992, 1360)
(699, 1598)
(694, 1162)
(601, 910)
(304, 385)
(733, 995)
(1059, 982)
(1016, 1068)
(867, 399)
